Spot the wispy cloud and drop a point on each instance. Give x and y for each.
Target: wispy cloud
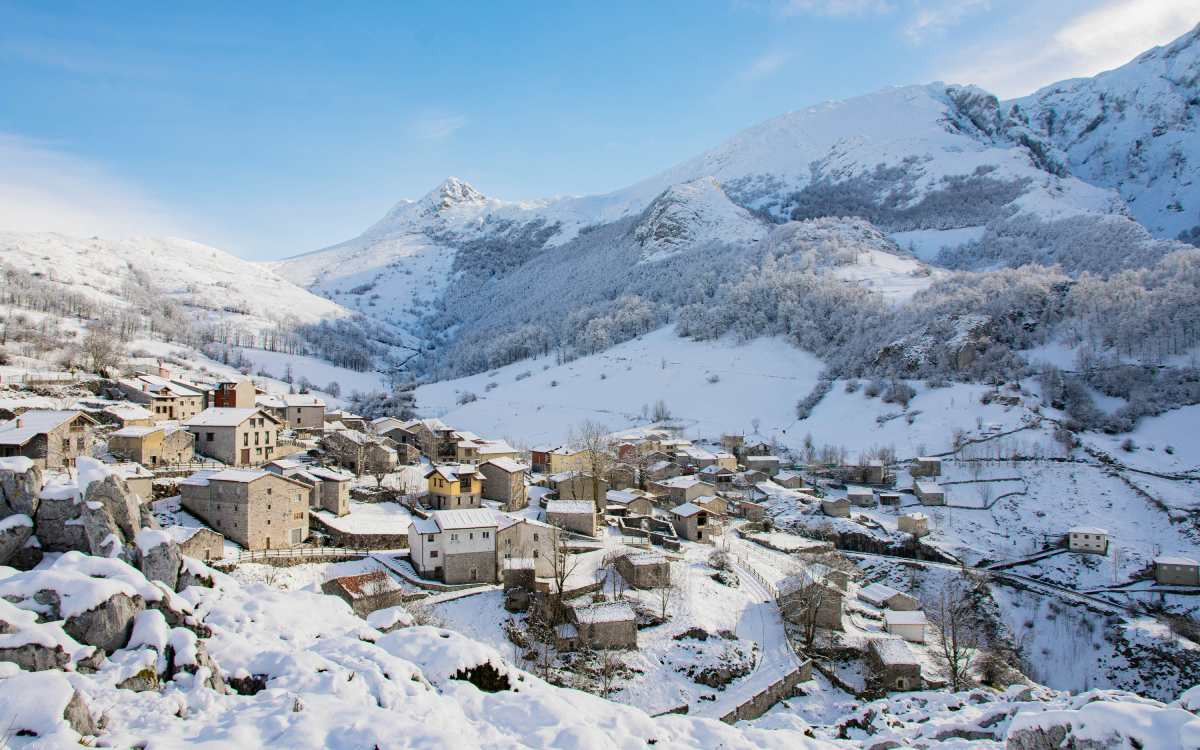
(436, 127)
(934, 17)
(78, 59)
(764, 65)
(1081, 45)
(835, 7)
(45, 189)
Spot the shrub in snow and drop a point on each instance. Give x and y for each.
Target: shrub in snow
(1128, 445)
(713, 378)
(466, 397)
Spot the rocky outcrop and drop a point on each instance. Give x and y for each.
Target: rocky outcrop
(108, 625)
(57, 525)
(19, 491)
(79, 717)
(118, 503)
(34, 657)
(158, 556)
(15, 531)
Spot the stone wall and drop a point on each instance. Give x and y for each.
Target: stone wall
(775, 692)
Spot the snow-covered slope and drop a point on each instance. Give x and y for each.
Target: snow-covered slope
(1132, 129)
(692, 214)
(212, 284)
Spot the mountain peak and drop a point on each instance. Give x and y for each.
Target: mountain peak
(692, 213)
(453, 192)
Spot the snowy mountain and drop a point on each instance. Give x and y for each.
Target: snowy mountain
(1132, 129)
(692, 214)
(212, 285)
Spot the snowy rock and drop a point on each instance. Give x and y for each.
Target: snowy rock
(158, 556)
(1103, 724)
(15, 531)
(108, 625)
(58, 526)
(194, 573)
(390, 618)
(117, 501)
(46, 706)
(20, 482)
(101, 531)
(34, 657)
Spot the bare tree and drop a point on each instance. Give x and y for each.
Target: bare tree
(608, 667)
(562, 566)
(957, 631)
(986, 491)
(803, 600)
(667, 595)
(101, 350)
(593, 440)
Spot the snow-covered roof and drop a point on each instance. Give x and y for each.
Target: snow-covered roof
(893, 652)
(759, 459)
(1088, 530)
(24, 427)
(452, 472)
(160, 386)
(897, 617)
(1176, 560)
(687, 509)
(492, 447)
(238, 475)
(135, 431)
(929, 488)
(471, 518)
(224, 416)
(128, 411)
(604, 612)
(131, 470)
(915, 516)
(877, 594)
(507, 464)
(425, 526)
(682, 483)
(854, 491)
(638, 559)
(570, 507)
(328, 474)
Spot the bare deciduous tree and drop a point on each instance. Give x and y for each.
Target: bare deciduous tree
(957, 631)
(101, 350)
(593, 439)
(802, 600)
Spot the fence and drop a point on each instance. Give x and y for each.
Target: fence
(748, 566)
(293, 554)
(37, 378)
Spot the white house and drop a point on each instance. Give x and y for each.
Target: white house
(1089, 539)
(909, 625)
(455, 546)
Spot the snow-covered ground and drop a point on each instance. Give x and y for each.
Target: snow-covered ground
(318, 372)
(759, 380)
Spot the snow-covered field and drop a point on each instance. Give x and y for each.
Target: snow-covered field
(760, 380)
(318, 372)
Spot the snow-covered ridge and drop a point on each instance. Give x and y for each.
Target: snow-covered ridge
(692, 214)
(213, 284)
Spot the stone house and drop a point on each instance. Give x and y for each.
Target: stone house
(233, 394)
(504, 482)
(573, 485)
(726, 460)
(128, 415)
(168, 400)
(837, 507)
(454, 487)
(862, 497)
(908, 624)
(916, 524)
(752, 511)
(1088, 539)
(885, 597)
(929, 493)
(52, 439)
(768, 465)
(607, 625)
(926, 466)
(578, 516)
(360, 452)
(889, 499)
(139, 481)
(679, 490)
(892, 665)
(238, 437)
(798, 596)
(160, 445)
(557, 460)
(524, 542)
(472, 449)
(718, 476)
(714, 504)
(455, 546)
(255, 508)
(733, 443)
(622, 476)
(691, 522)
(414, 433)
(328, 489)
(198, 542)
(660, 470)
(793, 480)
(366, 592)
(1176, 570)
(635, 502)
(644, 570)
(298, 411)
(695, 456)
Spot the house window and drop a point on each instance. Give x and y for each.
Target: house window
(433, 554)
(66, 444)
(535, 554)
(245, 438)
(471, 535)
(429, 538)
(256, 438)
(208, 436)
(269, 490)
(486, 534)
(535, 537)
(454, 537)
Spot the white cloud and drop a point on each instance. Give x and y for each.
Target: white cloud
(835, 7)
(436, 127)
(764, 65)
(930, 18)
(1083, 45)
(45, 189)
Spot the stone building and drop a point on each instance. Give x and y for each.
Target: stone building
(169, 400)
(862, 497)
(837, 507)
(159, 445)
(644, 570)
(1088, 539)
(685, 489)
(929, 493)
(366, 592)
(524, 542)
(925, 466)
(234, 394)
(504, 482)
(1176, 570)
(691, 522)
(800, 596)
(455, 546)
(360, 452)
(768, 465)
(892, 665)
(578, 516)
(328, 489)
(198, 542)
(298, 411)
(256, 509)
(238, 437)
(603, 626)
(916, 524)
(51, 439)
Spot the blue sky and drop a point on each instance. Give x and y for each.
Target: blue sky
(273, 129)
